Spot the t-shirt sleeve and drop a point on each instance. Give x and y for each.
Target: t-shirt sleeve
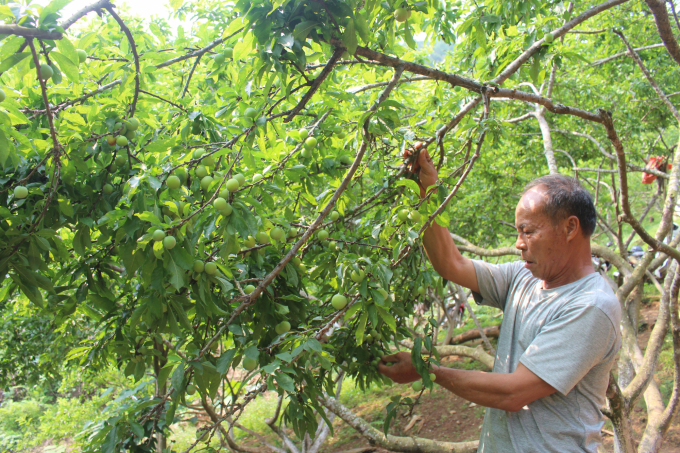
(494, 282)
(568, 347)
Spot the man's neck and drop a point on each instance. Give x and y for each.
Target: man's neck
(578, 266)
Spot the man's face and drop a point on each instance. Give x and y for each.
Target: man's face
(543, 244)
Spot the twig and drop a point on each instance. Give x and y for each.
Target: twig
(191, 73)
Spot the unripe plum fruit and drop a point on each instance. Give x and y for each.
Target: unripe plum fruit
(173, 182)
(262, 238)
(339, 301)
(210, 268)
(276, 233)
(335, 215)
(158, 235)
(240, 178)
(220, 204)
(403, 215)
(249, 364)
(20, 192)
(205, 182)
(322, 235)
(303, 134)
(400, 14)
(108, 188)
(250, 113)
(282, 327)
(310, 143)
(120, 160)
(232, 185)
(121, 140)
(45, 72)
(169, 242)
(249, 242)
(82, 55)
(417, 386)
(199, 266)
(227, 210)
(249, 289)
(201, 172)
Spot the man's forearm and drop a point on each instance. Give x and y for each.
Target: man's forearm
(509, 392)
(486, 389)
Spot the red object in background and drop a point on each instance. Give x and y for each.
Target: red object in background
(657, 163)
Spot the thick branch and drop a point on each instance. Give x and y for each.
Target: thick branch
(646, 370)
(96, 6)
(18, 30)
(658, 8)
(656, 243)
(395, 443)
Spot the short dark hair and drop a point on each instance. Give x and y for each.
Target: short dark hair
(567, 197)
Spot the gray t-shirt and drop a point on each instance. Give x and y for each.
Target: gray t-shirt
(568, 336)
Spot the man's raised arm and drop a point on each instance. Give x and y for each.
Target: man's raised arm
(442, 252)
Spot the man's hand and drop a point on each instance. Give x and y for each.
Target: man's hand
(423, 167)
(401, 370)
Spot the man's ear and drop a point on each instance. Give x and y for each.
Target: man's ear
(572, 226)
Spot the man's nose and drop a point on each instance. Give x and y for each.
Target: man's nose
(520, 244)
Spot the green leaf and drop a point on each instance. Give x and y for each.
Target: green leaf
(68, 49)
(31, 291)
(109, 445)
(303, 29)
(361, 328)
(408, 37)
(137, 429)
(176, 273)
(411, 184)
(182, 258)
(225, 360)
(284, 381)
(66, 66)
(10, 61)
(349, 37)
(351, 310)
(312, 345)
(148, 216)
(53, 7)
(388, 318)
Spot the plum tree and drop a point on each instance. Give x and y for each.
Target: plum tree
(314, 105)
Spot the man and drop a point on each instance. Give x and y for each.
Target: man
(560, 331)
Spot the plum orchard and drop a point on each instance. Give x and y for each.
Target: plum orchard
(205, 203)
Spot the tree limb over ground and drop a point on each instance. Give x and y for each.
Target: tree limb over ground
(405, 444)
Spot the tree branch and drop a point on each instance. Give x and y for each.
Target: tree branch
(131, 39)
(96, 6)
(621, 54)
(395, 443)
(663, 25)
(29, 32)
(669, 207)
(325, 72)
(649, 77)
(524, 57)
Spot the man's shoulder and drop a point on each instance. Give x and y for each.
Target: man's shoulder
(595, 293)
